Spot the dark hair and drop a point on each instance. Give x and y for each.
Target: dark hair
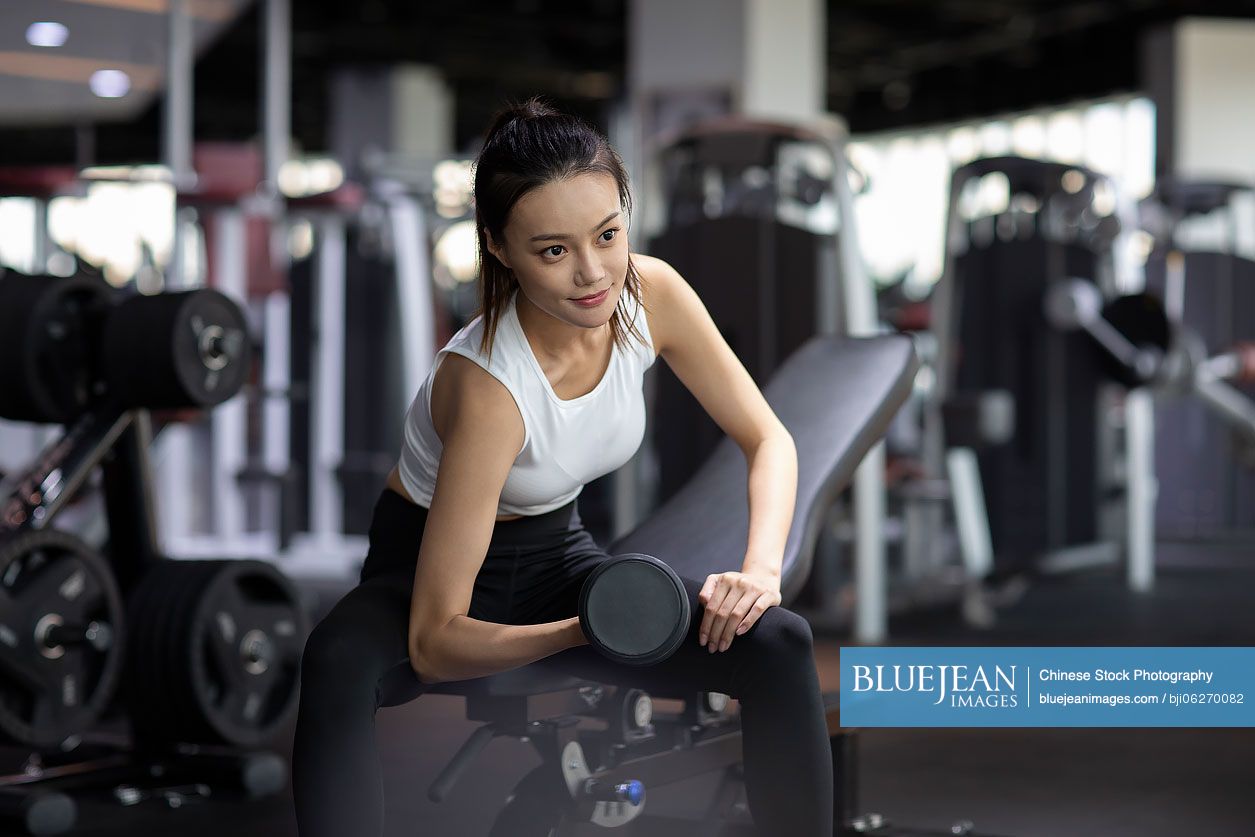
(527, 146)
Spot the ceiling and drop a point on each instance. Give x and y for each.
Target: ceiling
(50, 86)
(891, 63)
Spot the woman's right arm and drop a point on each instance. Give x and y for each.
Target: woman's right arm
(483, 432)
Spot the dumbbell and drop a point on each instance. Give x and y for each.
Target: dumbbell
(634, 609)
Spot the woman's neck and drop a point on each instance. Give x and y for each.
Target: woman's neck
(553, 338)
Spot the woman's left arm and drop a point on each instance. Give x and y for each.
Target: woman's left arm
(688, 339)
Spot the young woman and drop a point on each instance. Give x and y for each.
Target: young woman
(477, 552)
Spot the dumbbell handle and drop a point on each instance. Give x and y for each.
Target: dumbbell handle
(97, 634)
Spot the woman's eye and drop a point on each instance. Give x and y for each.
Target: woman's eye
(608, 235)
(555, 250)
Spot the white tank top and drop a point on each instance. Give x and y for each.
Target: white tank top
(566, 443)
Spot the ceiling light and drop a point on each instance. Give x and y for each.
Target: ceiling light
(110, 84)
(46, 33)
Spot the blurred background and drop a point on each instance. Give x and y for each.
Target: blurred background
(272, 198)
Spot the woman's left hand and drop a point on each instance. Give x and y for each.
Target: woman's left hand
(733, 602)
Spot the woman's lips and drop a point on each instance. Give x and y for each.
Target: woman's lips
(591, 301)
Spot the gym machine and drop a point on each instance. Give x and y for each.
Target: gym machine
(1201, 268)
(1145, 342)
(1018, 421)
(1030, 305)
(200, 657)
(750, 222)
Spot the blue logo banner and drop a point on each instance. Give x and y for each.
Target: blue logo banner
(1048, 687)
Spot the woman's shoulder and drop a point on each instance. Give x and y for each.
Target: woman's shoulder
(658, 280)
(652, 271)
(491, 354)
(463, 385)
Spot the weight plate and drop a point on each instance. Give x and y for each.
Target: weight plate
(211, 347)
(61, 637)
(161, 706)
(634, 609)
(225, 641)
(176, 350)
(160, 703)
(246, 651)
(48, 329)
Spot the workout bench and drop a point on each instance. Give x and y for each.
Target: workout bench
(836, 397)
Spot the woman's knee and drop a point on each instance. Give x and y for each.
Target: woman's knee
(777, 629)
(777, 650)
(782, 632)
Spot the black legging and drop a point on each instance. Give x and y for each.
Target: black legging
(532, 574)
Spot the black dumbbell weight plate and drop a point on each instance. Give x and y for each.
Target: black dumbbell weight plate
(61, 637)
(634, 609)
(176, 350)
(161, 702)
(221, 653)
(247, 632)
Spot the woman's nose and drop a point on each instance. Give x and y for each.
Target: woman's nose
(591, 269)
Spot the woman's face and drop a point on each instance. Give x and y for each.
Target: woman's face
(566, 240)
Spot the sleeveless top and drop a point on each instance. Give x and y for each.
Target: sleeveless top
(566, 443)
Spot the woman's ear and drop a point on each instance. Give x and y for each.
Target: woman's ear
(495, 248)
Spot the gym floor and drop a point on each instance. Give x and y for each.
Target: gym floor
(1024, 782)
